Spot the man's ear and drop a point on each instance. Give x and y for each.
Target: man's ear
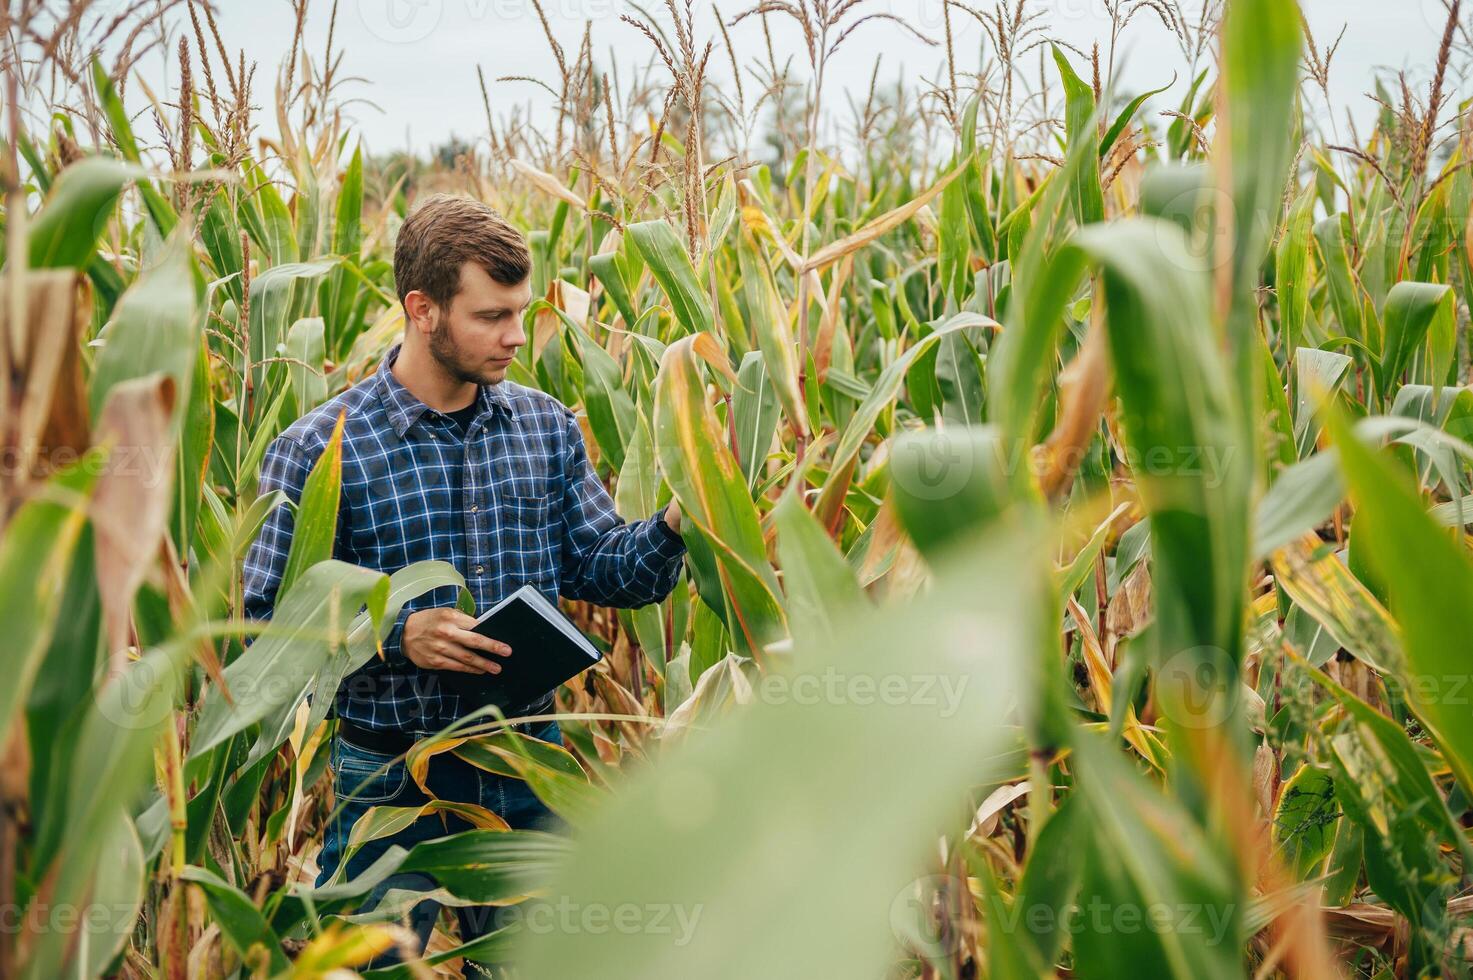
(419, 311)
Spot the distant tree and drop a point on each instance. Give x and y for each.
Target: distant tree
(447, 153)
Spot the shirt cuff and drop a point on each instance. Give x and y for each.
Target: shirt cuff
(394, 641)
(666, 541)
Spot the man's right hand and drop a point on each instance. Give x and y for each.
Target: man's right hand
(442, 639)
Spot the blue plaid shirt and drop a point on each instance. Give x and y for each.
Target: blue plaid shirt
(513, 501)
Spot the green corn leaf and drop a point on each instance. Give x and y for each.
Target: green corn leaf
(608, 269)
(1346, 296)
(1294, 277)
(239, 919)
(755, 411)
(66, 230)
(696, 461)
(159, 209)
(314, 527)
(819, 585)
(1430, 579)
(35, 555)
(1305, 820)
(1148, 856)
(114, 757)
(1262, 42)
(1318, 374)
(769, 322)
(1411, 310)
(830, 913)
(306, 346)
(220, 233)
(273, 295)
(669, 263)
(862, 422)
(156, 327)
(1084, 138)
(277, 235)
(1181, 424)
(310, 625)
(1126, 115)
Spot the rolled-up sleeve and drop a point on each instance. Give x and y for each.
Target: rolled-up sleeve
(606, 559)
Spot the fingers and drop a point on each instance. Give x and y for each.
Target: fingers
(458, 619)
(437, 662)
(485, 644)
(467, 660)
(448, 642)
(460, 628)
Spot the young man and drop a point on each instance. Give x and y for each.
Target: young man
(444, 459)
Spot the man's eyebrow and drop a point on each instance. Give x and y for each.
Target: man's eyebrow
(502, 309)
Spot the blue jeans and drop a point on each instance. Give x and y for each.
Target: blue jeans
(372, 780)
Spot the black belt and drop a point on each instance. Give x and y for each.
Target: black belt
(375, 739)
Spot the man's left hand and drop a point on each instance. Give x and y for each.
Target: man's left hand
(672, 516)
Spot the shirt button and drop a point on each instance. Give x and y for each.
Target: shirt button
(480, 569)
(475, 507)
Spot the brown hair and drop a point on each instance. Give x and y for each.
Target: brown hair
(442, 234)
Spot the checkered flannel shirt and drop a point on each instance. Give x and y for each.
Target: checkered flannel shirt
(515, 501)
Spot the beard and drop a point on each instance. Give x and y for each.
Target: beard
(449, 357)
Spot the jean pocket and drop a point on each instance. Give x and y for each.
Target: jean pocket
(549, 732)
(365, 775)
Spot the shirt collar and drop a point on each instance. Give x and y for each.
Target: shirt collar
(404, 408)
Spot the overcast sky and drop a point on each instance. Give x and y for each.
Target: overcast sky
(418, 58)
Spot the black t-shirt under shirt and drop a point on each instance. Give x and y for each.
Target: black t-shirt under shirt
(463, 417)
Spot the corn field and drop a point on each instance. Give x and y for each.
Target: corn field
(1075, 493)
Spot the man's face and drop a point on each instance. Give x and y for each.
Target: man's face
(476, 337)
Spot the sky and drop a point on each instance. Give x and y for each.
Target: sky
(417, 58)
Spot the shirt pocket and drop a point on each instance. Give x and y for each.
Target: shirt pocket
(521, 470)
(530, 552)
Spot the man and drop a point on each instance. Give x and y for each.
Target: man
(444, 459)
